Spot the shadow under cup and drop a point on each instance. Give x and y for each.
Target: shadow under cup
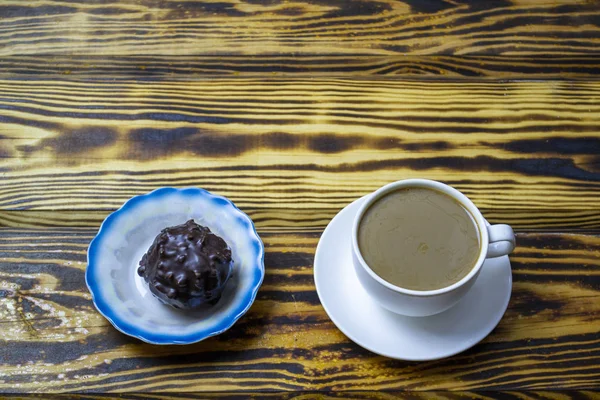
(428, 302)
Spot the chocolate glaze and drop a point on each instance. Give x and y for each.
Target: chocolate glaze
(187, 266)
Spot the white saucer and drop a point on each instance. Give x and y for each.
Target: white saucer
(405, 338)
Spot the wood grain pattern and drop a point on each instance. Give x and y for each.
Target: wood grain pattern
(293, 109)
(300, 27)
(333, 395)
(548, 338)
(292, 152)
(407, 65)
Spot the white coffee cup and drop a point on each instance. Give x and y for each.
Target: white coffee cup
(495, 240)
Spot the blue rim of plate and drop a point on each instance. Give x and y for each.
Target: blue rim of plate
(132, 330)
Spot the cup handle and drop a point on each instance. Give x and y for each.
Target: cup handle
(501, 242)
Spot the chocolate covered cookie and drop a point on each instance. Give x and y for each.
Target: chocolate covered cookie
(187, 266)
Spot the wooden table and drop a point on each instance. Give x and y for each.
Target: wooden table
(293, 109)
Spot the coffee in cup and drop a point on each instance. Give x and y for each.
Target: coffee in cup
(418, 246)
(419, 238)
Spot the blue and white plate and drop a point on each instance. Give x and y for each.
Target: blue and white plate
(123, 297)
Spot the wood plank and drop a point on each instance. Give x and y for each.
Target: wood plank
(53, 339)
(292, 152)
(422, 67)
(354, 28)
(332, 395)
